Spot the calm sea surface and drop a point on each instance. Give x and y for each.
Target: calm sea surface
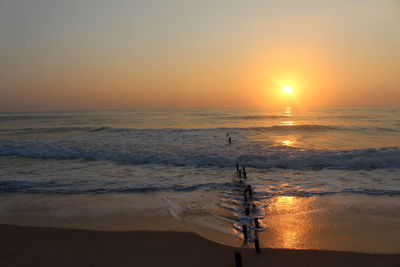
(60, 168)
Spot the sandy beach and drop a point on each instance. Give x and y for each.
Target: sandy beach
(34, 246)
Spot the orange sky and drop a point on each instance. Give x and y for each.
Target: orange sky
(95, 54)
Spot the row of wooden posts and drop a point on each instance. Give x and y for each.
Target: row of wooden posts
(248, 197)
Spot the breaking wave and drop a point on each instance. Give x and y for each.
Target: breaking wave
(283, 128)
(54, 187)
(14, 186)
(256, 117)
(213, 156)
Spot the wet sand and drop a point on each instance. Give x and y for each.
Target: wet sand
(34, 246)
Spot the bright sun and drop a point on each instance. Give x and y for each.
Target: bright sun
(287, 89)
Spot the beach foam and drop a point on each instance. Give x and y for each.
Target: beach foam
(180, 150)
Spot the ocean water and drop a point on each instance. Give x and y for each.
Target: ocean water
(126, 169)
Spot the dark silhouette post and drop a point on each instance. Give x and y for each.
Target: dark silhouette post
(257, 245)
(238, 259)
(250, 191)
(244, 228)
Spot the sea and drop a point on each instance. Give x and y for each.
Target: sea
(322, 178)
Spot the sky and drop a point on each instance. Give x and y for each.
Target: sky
(98, 54)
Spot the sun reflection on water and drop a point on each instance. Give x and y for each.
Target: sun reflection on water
(287, 142)
(289, 223)
(288, 111)
(285, 202)
(288, 123)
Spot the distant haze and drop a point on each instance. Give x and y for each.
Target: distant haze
(98, 54)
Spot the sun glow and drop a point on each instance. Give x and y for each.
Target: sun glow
(283, 91)
(287, 89)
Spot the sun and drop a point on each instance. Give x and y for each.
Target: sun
(287, 89)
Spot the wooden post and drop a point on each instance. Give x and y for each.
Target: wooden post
(244, 228)
(250, 191)
(246, 190)
(240, 174)
(257, 245)
(256, 223)
(238, 259)
(257, 242)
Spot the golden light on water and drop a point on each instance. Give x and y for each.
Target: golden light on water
(287, 142)
(290, 235)
(288, 123)
(289, 222)
(288, 111)
(285, 202)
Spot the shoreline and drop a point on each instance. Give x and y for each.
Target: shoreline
(334, 223)
(42, 246)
